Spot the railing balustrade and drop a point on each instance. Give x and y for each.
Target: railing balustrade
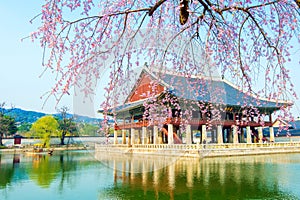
(193, 121)
(203, 146)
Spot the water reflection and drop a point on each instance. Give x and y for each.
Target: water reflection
(16, 160)
(6, 174)
(42, 169)
(211, 178)
(43, 172)
(134, 164)
(77, 175)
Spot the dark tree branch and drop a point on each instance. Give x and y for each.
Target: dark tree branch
(240, 55)
(153, 8)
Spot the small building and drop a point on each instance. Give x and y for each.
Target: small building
(17, 139)
(170, 107)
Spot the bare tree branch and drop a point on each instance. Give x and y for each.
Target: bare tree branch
(155, 6)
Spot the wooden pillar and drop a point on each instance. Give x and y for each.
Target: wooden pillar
(123, 133)
(272, 138)
(161, 137)
(204, 134)
(260, 134)
(115, 137)
(249, 137)
(220, 134)
(129, 138)
(132, 133)
(188, 135)
(123, 136)
(144, 135)
(139, 141)
(149, 134)
(155, 134)
(235, 134)
(170, 134)
(242, 135)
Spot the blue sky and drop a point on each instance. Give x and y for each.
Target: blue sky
(20, 82)
(20, 66)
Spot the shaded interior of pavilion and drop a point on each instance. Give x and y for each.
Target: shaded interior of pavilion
(233, 128)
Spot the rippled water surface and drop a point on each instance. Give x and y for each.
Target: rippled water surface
(89, 175)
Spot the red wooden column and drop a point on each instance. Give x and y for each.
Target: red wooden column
(116, 128)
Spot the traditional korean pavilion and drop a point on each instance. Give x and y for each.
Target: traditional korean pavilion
(236, 120)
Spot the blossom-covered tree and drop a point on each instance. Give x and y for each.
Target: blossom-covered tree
(246, 41)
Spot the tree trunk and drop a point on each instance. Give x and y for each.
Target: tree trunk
(62, 139)
(1, 144)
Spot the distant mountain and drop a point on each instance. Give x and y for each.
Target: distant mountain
(79, 118)
(22, 116)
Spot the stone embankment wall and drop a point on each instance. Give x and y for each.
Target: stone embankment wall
(200, 150)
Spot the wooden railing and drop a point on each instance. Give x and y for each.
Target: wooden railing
(195, 122)
(204, 146)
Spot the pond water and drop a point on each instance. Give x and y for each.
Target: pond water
(90, 175)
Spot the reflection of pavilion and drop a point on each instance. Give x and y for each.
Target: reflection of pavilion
(201, 96)
(190, 176)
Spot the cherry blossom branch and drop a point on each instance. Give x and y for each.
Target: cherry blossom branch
(235, 36)
(240, 55)
(157, 5)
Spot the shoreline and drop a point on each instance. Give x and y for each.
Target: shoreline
(30, 149)
(176, 150)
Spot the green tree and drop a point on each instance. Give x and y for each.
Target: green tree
(2, 109)
(7, 126)
(24, 127)
(66, 125)
(88, 129)
(45, 127)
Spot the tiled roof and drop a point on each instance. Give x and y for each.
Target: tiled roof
(295, 124)
(124, 107)
(203, 89)
(213, 91)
